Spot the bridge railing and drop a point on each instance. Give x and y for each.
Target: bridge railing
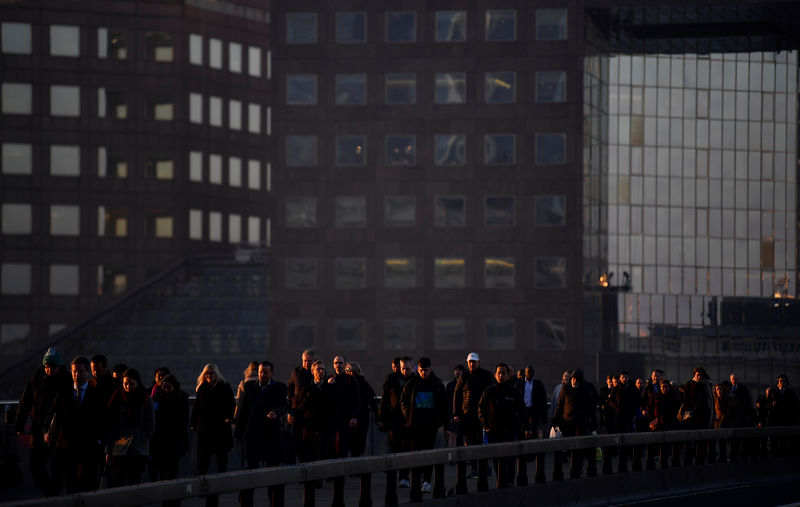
(681, 447)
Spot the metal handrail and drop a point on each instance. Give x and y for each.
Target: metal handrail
(338, 468)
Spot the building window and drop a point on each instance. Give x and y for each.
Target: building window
(65, 40)
(551, 210)
(111, 222)
(215, 111)
(551, 24)
(16, 38)
(500, 87)
(498, 272)
(551, 86)
(551, 149)
(351, 89)
(111, 160)
(196, 108)
(451, 88)
(196, 166)
(449, 211)
(235, 172)
(300, 334)
(196, 224)
(15, 278)
(65, 220)
(215, 53)
(253, 230)
(17, 98)
(111, 44)
(234, 228)
(551, 272)
(65, 160)
(195, 49)
(401, 26)
(254, 175)
(499, 149)
(65, 100)
(160, 106)
(111, 281)
(400, 273)
(400, 211)
(351, 150)
(254, 118)
(111, 104)
(499, 334)
(301, 212)
(17, 158)
(17, 218)
(301, 151)
(161, 225)
(11, 333)
(301, 273)
(235, 115)
(451, 26)
(498, 211)
(301, 89)
(401, 89)
(301, 28)
(215, 226)
(64, 280)
(398, 334)
(215, 169)
(451, 149)
(551, 335)
(159, 46)
(350, 334)
(350, 273)
(235, 57)
(254, 61)
(501, 25)
(401, 150)
(449, 273)
(160, 166)
(351, 27)
(350, 211)
(449, 334)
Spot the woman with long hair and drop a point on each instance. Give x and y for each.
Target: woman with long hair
(211, 417)
(358, 436)
(170, 441)
(131, 423)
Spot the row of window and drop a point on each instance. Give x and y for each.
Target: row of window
(400, 334)
(65, 160)
(499, 87)
(448, 150)
(401, 211)
(350, 273)
(65, 101)
(114, 44)
(112, 221)
(500, 25)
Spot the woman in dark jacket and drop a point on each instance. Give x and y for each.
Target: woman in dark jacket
(131, 423)
(358, 437)
(171, 438)
(211, 417)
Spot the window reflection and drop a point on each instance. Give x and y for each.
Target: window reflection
(301, 89)
(350, 334)
(498, 273)
(301, 211)
(451, 26)
(551, 272)
(351, 150)
(301, 273)
(350, 211)
(401, 150)
(551, 149)
(300, 334)
(401, 27)
(499, 334)
(451, 88)
(449, 273)
(501, 25)
(551, 86)
(451, 149)
(351, 89)
(551, 24)
(551, 210)
(301, 151)
(398, 334)
(401, 88)
(449, 211)
(301, 28)
(400, 211)
(551, 335)
(500, 87)
(350, 273)
(400, 273)
(16, 38)
(499, 210)
(351, 27)
(449, 334)
(499, 149)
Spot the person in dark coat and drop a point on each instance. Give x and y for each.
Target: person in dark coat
(745, 401)
(76, 431)
(535, 398)
(453, 434)
(36, 401)
(606, 411)
(698, 410)
(170, 440)
(390, 414)
(468, 392)
(344, 398)
(625, 399)
(313, 406)
(424, 405)
(358, 437)
(211, 418)
(131, 424)
(575, 415)
(784, 407)
(102, 378)
(301, 376)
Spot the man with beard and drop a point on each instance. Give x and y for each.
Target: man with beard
(468, 392)
(37, 400)
(301, 376)
(390, 414)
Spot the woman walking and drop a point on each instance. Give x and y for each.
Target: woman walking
(131, 423)
(211, 417)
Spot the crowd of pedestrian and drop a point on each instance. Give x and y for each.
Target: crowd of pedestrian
(93, 426)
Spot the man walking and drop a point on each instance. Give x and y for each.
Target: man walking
(468, 392)
(344, 399)
(535, 398)
(390, 414)
(301, 376)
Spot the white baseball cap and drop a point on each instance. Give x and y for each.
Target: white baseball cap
(473, 356)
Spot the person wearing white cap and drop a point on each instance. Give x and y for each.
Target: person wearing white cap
(468, 392)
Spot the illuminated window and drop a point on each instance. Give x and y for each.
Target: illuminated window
(254, 61)
(160, 167)
(501, 25)
(195, 49)
(111, 104)
(64, 280)
(111, 222)
(351, 89)
(15, 278)
(500, 87)
(65, 220)
(351, 150)
(498, 273)
(16, 38)
(235, 57)
(196, 108)
(65, 40)
(551, 272)
(111, 44)
(160, 106)
(159, 46)
(215, 53)
(449, 273)
(65, 160)
(111, 162)
(551, 24)
(17, 158)
(65, 100)
(400, 273)
(17, 98)
(17, 218)
(401, 150)
(451, 88)
(451, 149)
(195, 224)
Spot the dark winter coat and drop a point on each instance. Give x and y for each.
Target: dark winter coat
(211, 417)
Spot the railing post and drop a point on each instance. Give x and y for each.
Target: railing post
(390, 500)
(623, 459)
(461, 478)
(558, 462)
(608, 465)
(415, 494)
(365, 499)
(338, 492)
(723, 450)
(591, 463)
(276, 495)
(540, 476)
(636, 450)
(522, 470)
(483, 483)
(438, 481)
(501, 467)
(309, 493)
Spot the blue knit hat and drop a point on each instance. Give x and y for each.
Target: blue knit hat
(52, 357)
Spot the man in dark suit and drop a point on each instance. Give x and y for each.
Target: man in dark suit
(301, 376)
(76, 431)
(535, 398)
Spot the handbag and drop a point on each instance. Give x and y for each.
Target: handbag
(121, 446)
